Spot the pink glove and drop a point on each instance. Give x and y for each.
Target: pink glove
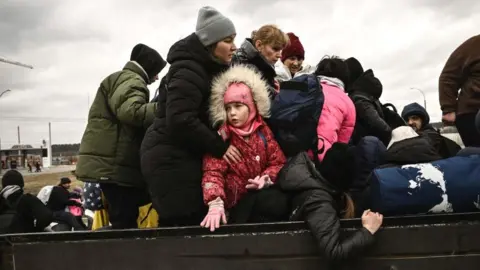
(259, 182)
(216, 213)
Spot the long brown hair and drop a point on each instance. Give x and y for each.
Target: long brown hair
(349, 211)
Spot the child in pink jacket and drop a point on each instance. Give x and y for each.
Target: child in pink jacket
(239, 101)
(337, 120)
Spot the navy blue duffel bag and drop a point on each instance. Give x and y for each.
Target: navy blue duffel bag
(445, 186)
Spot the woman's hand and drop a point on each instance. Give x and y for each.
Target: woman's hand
(232, 155)
(372, 221)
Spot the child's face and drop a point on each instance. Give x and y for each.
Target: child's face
(237, 114)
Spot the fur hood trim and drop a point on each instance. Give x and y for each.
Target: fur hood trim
(238, 74)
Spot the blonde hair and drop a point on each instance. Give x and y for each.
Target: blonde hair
(271, 35)
(349, 211)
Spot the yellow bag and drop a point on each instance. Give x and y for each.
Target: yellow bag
(150, 221)
(101, 219)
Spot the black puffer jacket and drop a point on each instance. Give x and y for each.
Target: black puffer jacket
(173, 147)
(365, 93)
(60, 199)
(31, 214)
(445, 147)
(319, 203)
(410, 151)
(248, 54)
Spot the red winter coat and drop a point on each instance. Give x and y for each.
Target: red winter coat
(228, 181)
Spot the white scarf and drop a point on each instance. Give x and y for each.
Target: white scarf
(9, 190)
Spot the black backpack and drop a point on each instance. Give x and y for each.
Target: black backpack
(8, 214)
(295, 112)
(161, 87)
(391, 116)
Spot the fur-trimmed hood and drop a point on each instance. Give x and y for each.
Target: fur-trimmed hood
(238, 74)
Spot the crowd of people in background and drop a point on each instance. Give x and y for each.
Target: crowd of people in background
(227, 139)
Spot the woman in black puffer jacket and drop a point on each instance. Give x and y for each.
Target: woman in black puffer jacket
(173, 147)
(319, 198)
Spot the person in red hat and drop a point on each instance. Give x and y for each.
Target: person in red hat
(292, 61)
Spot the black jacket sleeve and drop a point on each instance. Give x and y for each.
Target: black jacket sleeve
(323, 221)
(371, 118)
(444, 146)
(40, 213)
(59, 199)
(184, 100)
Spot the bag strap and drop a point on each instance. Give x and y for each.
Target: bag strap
(148, 213)
(390, 105)
(315, 149)
(262, 136)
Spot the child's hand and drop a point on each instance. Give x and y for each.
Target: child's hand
(215, 215)
(259, 182)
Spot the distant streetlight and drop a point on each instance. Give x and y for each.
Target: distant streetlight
(423, 94)
(8, 90)
(1, 164)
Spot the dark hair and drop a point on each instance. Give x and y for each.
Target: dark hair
(65, 180)
(333, 67)
(12, 178)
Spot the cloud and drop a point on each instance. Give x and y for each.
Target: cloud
(73, 45)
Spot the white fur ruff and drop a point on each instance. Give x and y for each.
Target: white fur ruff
(238, 74)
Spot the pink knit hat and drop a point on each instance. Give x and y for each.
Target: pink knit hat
(241, 93)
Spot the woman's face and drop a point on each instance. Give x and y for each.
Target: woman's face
(237, 114)
(271, 54)
(224, 49)
(294, 64)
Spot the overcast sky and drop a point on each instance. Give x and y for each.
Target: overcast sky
(73, 45)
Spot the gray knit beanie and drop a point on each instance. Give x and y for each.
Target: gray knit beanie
(212, 26)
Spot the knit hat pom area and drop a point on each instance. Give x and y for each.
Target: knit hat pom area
(213, 26)
(295, 48)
